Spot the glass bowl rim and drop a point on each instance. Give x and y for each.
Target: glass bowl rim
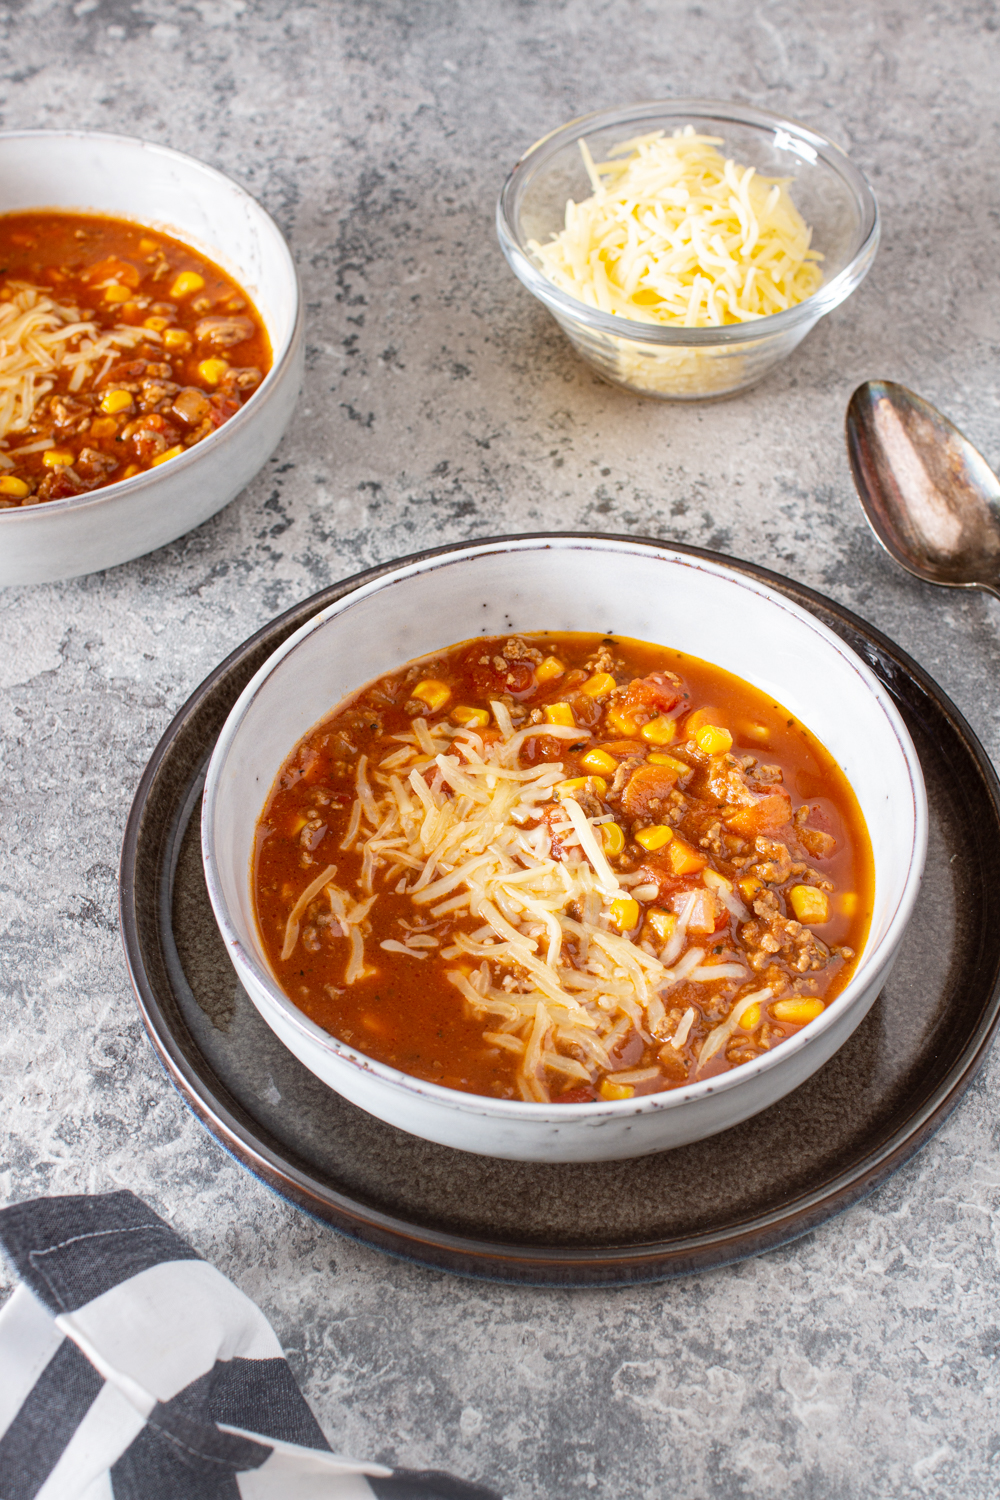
(563, 306)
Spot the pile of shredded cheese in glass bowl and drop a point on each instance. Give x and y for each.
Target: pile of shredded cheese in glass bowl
(713, 237)
(676, 233)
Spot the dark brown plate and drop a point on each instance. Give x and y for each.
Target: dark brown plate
(756, 1186)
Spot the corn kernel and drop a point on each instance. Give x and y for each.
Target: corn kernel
(610, 1091)
(656, 837)
(470, 718)
(849, 903)
(758, 732)
(10, 485)
(798, 1012)
(749, 886)
(549, 669)
(156, 324)
(698, 719)
(162, 458)
(662, 923)
(659, 731)
(176, 339)
(612, 839)
(623, 722)
(115, 293)
(131, 471)
(625, 913)
(599, 760)
(297, 824)
(186, 283)
(598, 686)
(57, 458)
(113, 402)
(211, 371)
(683, 859)
(750, 1019)
(809, 904)
(559, 713)
(596, 784)
(713, 740)
(435, 694)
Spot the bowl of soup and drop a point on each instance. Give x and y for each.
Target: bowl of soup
(563, 848)
(150, 348)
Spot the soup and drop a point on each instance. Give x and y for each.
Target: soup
(562, 867)
(120, 348)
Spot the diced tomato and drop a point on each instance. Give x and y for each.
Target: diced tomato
(655, 691)
(223, 407)
(647, 785)
(491, 679)
(763, 816)
(112, 269)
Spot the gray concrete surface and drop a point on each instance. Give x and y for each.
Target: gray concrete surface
(441, 403)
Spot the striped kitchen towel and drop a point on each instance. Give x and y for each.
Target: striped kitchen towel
(131, 1369)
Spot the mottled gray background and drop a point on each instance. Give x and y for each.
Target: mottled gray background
(440, 403)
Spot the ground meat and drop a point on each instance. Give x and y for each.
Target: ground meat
(604, 660)
(727, 781)
(515, 649)
(92, 464)
(590, 804)
(712, 840)
(60, 483)
(774, 935)
(777, 862)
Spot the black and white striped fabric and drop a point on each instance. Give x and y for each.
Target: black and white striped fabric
(131, 1369)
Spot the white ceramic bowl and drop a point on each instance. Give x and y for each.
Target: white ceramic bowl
(623, 587)
(131, 179)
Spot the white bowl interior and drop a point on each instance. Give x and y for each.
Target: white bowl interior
(132, 179)
(655, 595)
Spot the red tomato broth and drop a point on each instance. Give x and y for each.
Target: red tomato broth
(191, 350)
(408, 1014)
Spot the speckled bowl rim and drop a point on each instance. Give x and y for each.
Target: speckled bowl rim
(829, 295)
(875, 958)
(280, 356)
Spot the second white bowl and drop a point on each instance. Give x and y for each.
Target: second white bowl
(131, 179)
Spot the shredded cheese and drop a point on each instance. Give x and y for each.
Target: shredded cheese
(477, 836)
(676, 234)
(40, 338)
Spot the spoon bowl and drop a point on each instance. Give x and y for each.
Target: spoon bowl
(930, 497)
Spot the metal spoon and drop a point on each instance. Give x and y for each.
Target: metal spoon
(930, 497)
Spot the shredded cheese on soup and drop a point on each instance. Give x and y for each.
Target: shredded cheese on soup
(544, 967)
(38, 337)
(675, 233)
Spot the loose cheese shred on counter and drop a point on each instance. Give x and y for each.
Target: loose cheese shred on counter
(38, 337)
(675, 233)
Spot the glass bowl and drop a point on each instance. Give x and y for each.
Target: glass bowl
(671, 362)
